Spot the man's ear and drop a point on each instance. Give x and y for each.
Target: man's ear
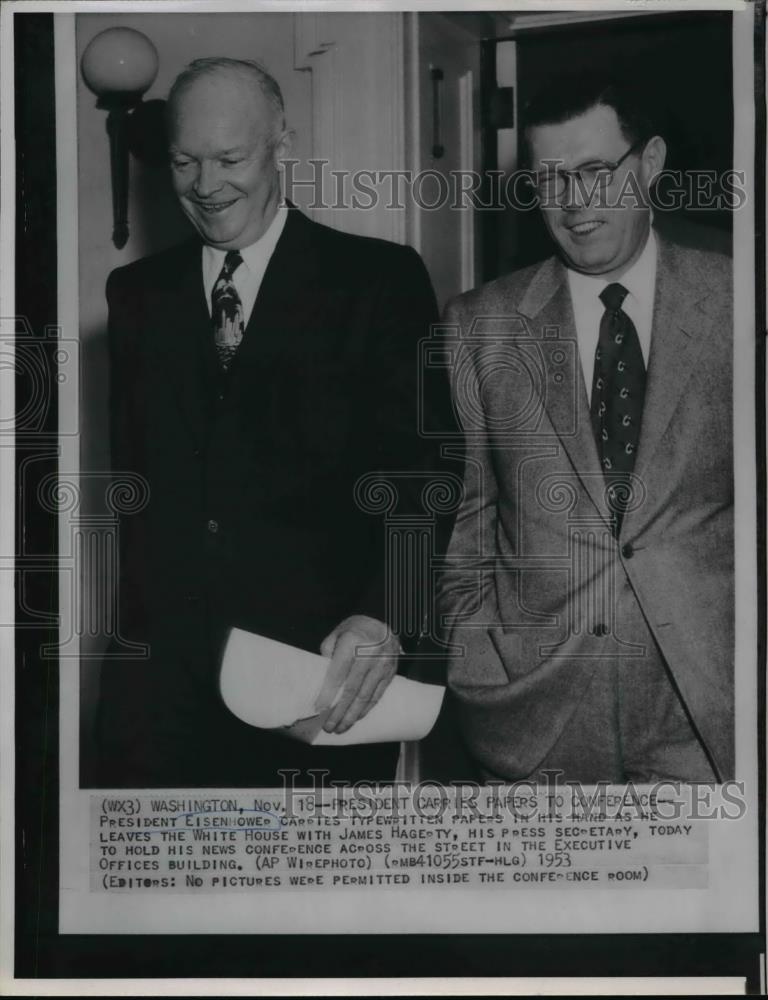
(654, 156)
(283, 145)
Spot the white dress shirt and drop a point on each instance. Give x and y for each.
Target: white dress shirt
(248, 276)
(640, 282)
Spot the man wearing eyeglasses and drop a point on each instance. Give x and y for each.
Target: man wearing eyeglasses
(589, 586)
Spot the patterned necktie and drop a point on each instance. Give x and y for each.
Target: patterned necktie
(618, 391)
(227, 311)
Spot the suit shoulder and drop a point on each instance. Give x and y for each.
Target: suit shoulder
(153, 268)
(360, 248)
(712, 261)
(711, 270)
(505, 292)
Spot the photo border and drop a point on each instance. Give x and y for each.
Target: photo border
(40, 952)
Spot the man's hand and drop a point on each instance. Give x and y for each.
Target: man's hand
(365, 677)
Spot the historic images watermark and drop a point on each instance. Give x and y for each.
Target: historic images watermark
(495, 190)
(495, 801)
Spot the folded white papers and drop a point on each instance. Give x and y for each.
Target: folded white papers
(274, 686)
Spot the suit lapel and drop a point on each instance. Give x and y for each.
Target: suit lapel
(284, 302)
(547, 303)
(184, 339)
(680, 330)
(183, 335)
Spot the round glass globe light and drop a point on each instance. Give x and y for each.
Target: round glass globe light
(119, 60)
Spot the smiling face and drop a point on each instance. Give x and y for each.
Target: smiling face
(224, 158)
(605, 239)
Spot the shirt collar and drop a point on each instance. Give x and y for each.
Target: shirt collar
(639, 280)
(255, 255)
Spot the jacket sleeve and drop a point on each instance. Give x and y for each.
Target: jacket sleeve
(466, 594)
(413, 419)
(141, 706)
(125, 435)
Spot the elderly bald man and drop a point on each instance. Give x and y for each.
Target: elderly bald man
(257, 372)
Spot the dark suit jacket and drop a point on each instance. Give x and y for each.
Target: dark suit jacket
(533, 566)
(322, 391)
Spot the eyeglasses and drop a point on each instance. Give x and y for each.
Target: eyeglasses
(591, 177)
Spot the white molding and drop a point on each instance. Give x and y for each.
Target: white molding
(358, 108)
(392, 81)
(413, 121)
(509, 25)
(467, 163)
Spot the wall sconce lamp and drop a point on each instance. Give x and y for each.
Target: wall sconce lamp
(119, 65)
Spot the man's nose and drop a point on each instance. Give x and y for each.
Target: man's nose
(576, 195)
(208, 180)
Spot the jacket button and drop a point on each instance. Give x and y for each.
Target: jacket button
(601, 630)
(196, 453)
(627, 551)
(192, 599)
(213, 526)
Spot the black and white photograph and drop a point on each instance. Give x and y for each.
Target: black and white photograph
(386, 441)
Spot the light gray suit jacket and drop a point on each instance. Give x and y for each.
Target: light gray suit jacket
(537, 592)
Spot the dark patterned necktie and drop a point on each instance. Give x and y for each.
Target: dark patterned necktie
(618, 391)
(227, 311)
